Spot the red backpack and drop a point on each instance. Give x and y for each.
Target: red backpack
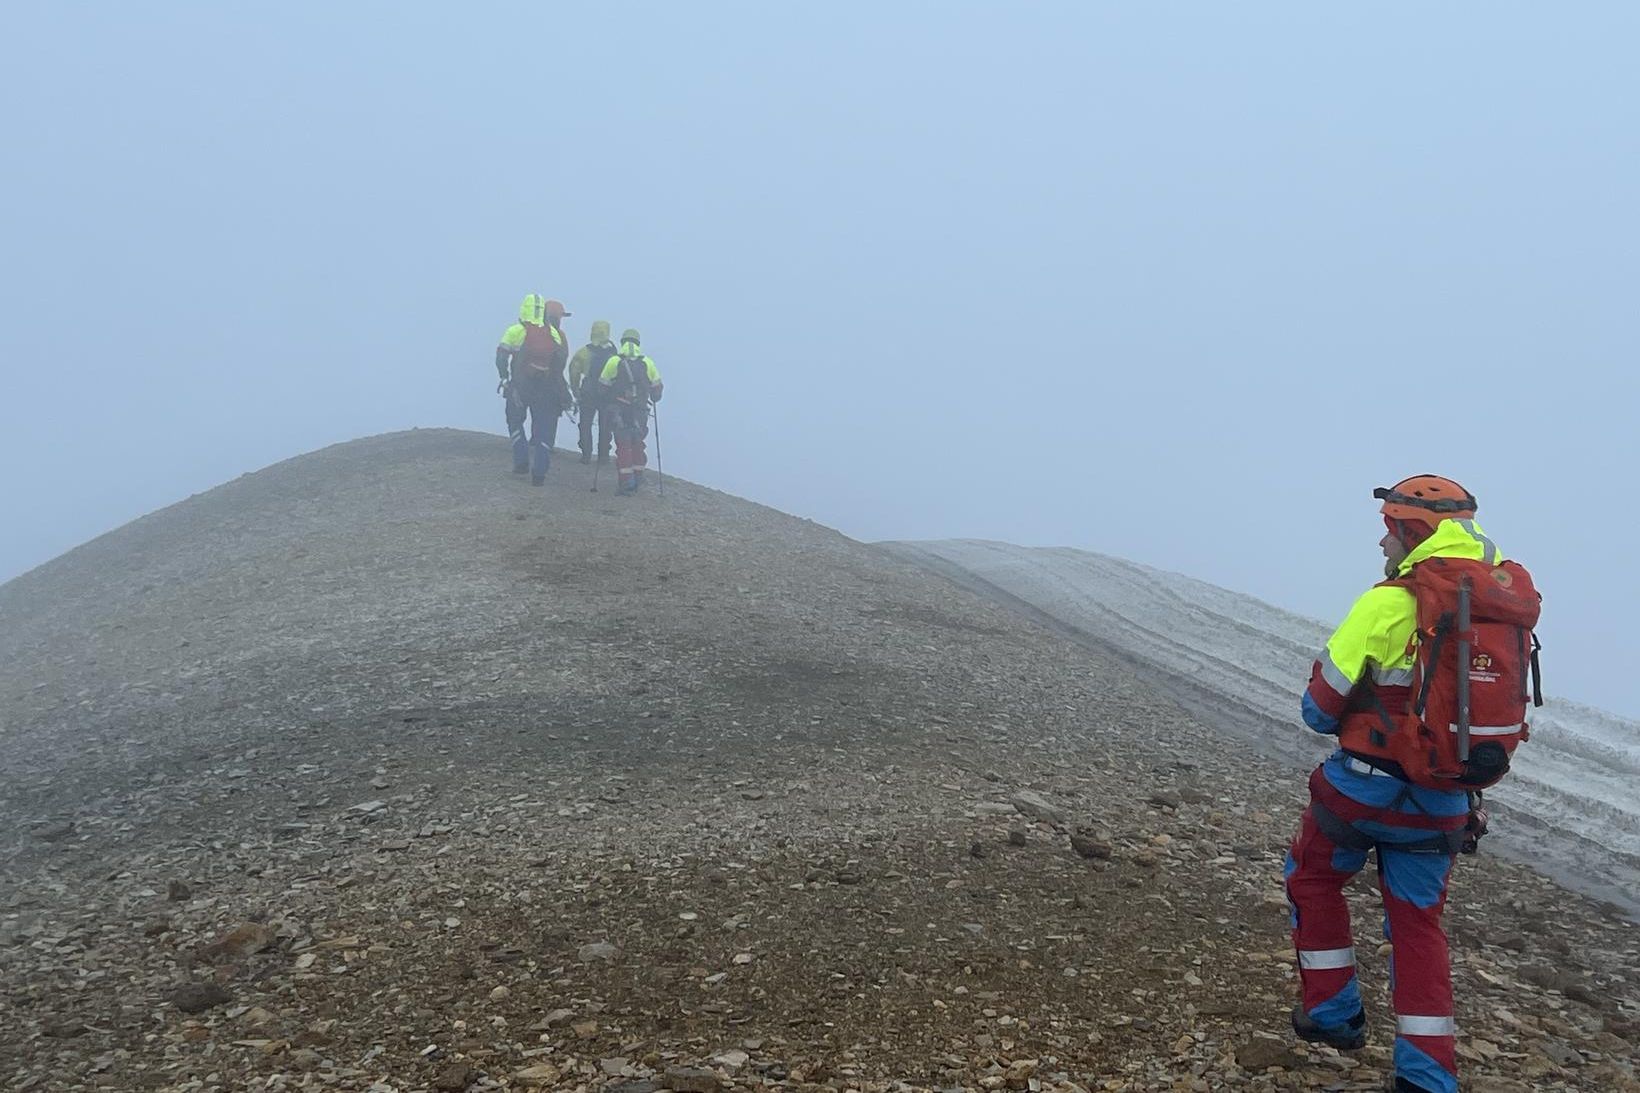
(1476, 671)
(542, 349)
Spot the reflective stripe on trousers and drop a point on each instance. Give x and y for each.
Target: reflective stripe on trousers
(1326, 958)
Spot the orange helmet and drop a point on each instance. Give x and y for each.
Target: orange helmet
(1426, 498)
(555, 310)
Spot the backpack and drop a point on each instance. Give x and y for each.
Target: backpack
(540, 347)
(631, 379)
(1475, 671)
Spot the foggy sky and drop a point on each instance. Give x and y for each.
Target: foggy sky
(1176, 282)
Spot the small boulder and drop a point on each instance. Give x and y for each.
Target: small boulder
(1092, 843)
(691, 1079)
(1263, 1052)
(597, 950)
(455, 1078)
(199, 997)
(539, 1074)
(1036, 806)
(65, 1029)
(244, 940)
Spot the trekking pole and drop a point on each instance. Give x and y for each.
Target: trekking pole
(595, 471)
(1463, 670)
(660, 475)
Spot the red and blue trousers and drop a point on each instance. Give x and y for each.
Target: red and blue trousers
(1414, 833)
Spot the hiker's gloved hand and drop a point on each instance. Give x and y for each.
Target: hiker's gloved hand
(1474, 829)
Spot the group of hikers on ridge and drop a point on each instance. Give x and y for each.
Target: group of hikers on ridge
(1426, 686)
(608, 385)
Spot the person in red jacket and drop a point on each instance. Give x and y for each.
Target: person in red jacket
(1361, 800)
(530, 361)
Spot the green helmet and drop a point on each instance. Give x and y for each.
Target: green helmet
(630, 335)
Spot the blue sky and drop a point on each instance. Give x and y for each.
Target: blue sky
(1177, 282)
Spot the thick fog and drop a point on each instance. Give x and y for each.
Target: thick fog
(1178, 283)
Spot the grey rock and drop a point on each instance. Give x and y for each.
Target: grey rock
(1092, 843)
(305, 1059)
(455, 1077)
(691, 1079)
(1037, 807)
(64, 1030)
(1561, 1053)
(55, 832)
(199, 997)
(597, 950)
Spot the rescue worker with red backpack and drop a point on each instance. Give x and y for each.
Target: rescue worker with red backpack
(530, 360)
(1426, 685)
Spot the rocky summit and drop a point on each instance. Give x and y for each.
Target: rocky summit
(379, 770)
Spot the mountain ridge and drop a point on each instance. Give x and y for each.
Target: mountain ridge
(381, 749)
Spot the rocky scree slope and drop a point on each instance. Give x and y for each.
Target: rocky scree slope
(1571, 803)
(379, 770)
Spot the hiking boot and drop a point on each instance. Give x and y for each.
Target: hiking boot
(1350, 1036)
(603, 457)
(537, 479)
(524, 469)
(586, 457)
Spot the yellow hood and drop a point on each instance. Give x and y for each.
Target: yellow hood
(1454, 539)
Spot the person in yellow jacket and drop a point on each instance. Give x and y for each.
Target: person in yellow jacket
(629, 382)
(1361, 800)
(530, 361)
(584, 368)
